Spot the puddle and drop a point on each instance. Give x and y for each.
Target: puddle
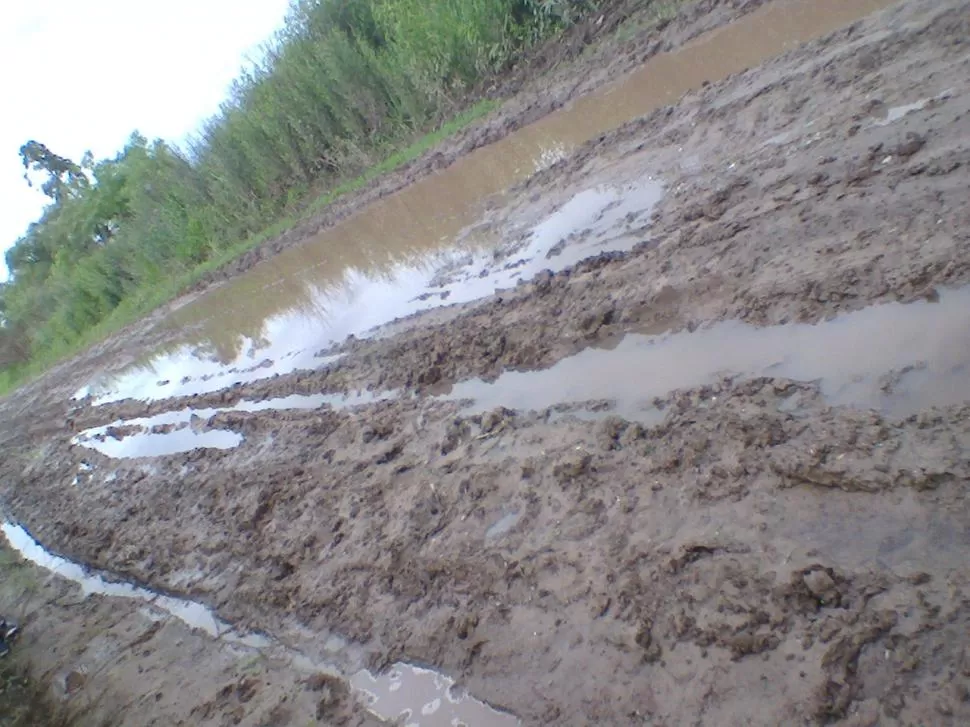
(188, 371)
(194, 615)
(895, 113)
(377, 265)
(428, 697)
(503, 525)
(138, 439)
(598, 212)
(161, 445)
(898, 358)
(424, 698)
(612, 215)
(603, 218)
(314, 401)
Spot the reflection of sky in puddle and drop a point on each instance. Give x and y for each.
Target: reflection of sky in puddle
(160, 445)
(193, 614)
(898, 358)
(425, 698)
(895, 113)
(610, 214)
(600, 211)
(187, 371)
(183, 438)
(308, 295)
(430, 697)
(851, 356)
(503, 525)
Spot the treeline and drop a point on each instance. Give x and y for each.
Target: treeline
(336, 88)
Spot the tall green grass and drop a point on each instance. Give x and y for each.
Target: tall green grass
(146, 299)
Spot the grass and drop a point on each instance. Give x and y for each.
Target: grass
(137, 306)
(641, 21)
(26, 703)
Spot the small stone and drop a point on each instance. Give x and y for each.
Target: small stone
(493, 420)
(652, 651)
(573, 465)
(821, 585)
(912, 144)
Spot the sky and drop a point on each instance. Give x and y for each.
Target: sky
(83, 74)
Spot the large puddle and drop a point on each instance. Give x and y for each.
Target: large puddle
(381, 263)
(896, 358)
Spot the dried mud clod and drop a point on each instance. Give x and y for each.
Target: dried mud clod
(334, 701)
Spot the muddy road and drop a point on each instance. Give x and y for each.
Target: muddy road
(664, 424)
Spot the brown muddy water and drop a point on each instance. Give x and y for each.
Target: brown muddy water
(895, 358)
(380, 263)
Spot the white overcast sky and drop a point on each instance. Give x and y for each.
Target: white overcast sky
(83, 74)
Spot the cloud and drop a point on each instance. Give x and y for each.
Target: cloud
(79, 76)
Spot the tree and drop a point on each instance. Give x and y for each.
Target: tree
(64, 177)
(14, 345)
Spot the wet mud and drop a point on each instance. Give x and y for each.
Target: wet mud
(673, 428)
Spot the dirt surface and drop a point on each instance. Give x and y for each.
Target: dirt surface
(118, 661)
(757, 555)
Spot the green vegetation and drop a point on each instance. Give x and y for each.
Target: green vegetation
(338, 92)
(24, 703)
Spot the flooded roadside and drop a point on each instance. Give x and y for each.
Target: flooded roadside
(381, 263)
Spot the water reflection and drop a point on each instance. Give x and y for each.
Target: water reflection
(367, 269)
(194, 615)
(896, 113)
(612, 216)
(161, 444)
(898, 358)
(425, 698)
(173, 432)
